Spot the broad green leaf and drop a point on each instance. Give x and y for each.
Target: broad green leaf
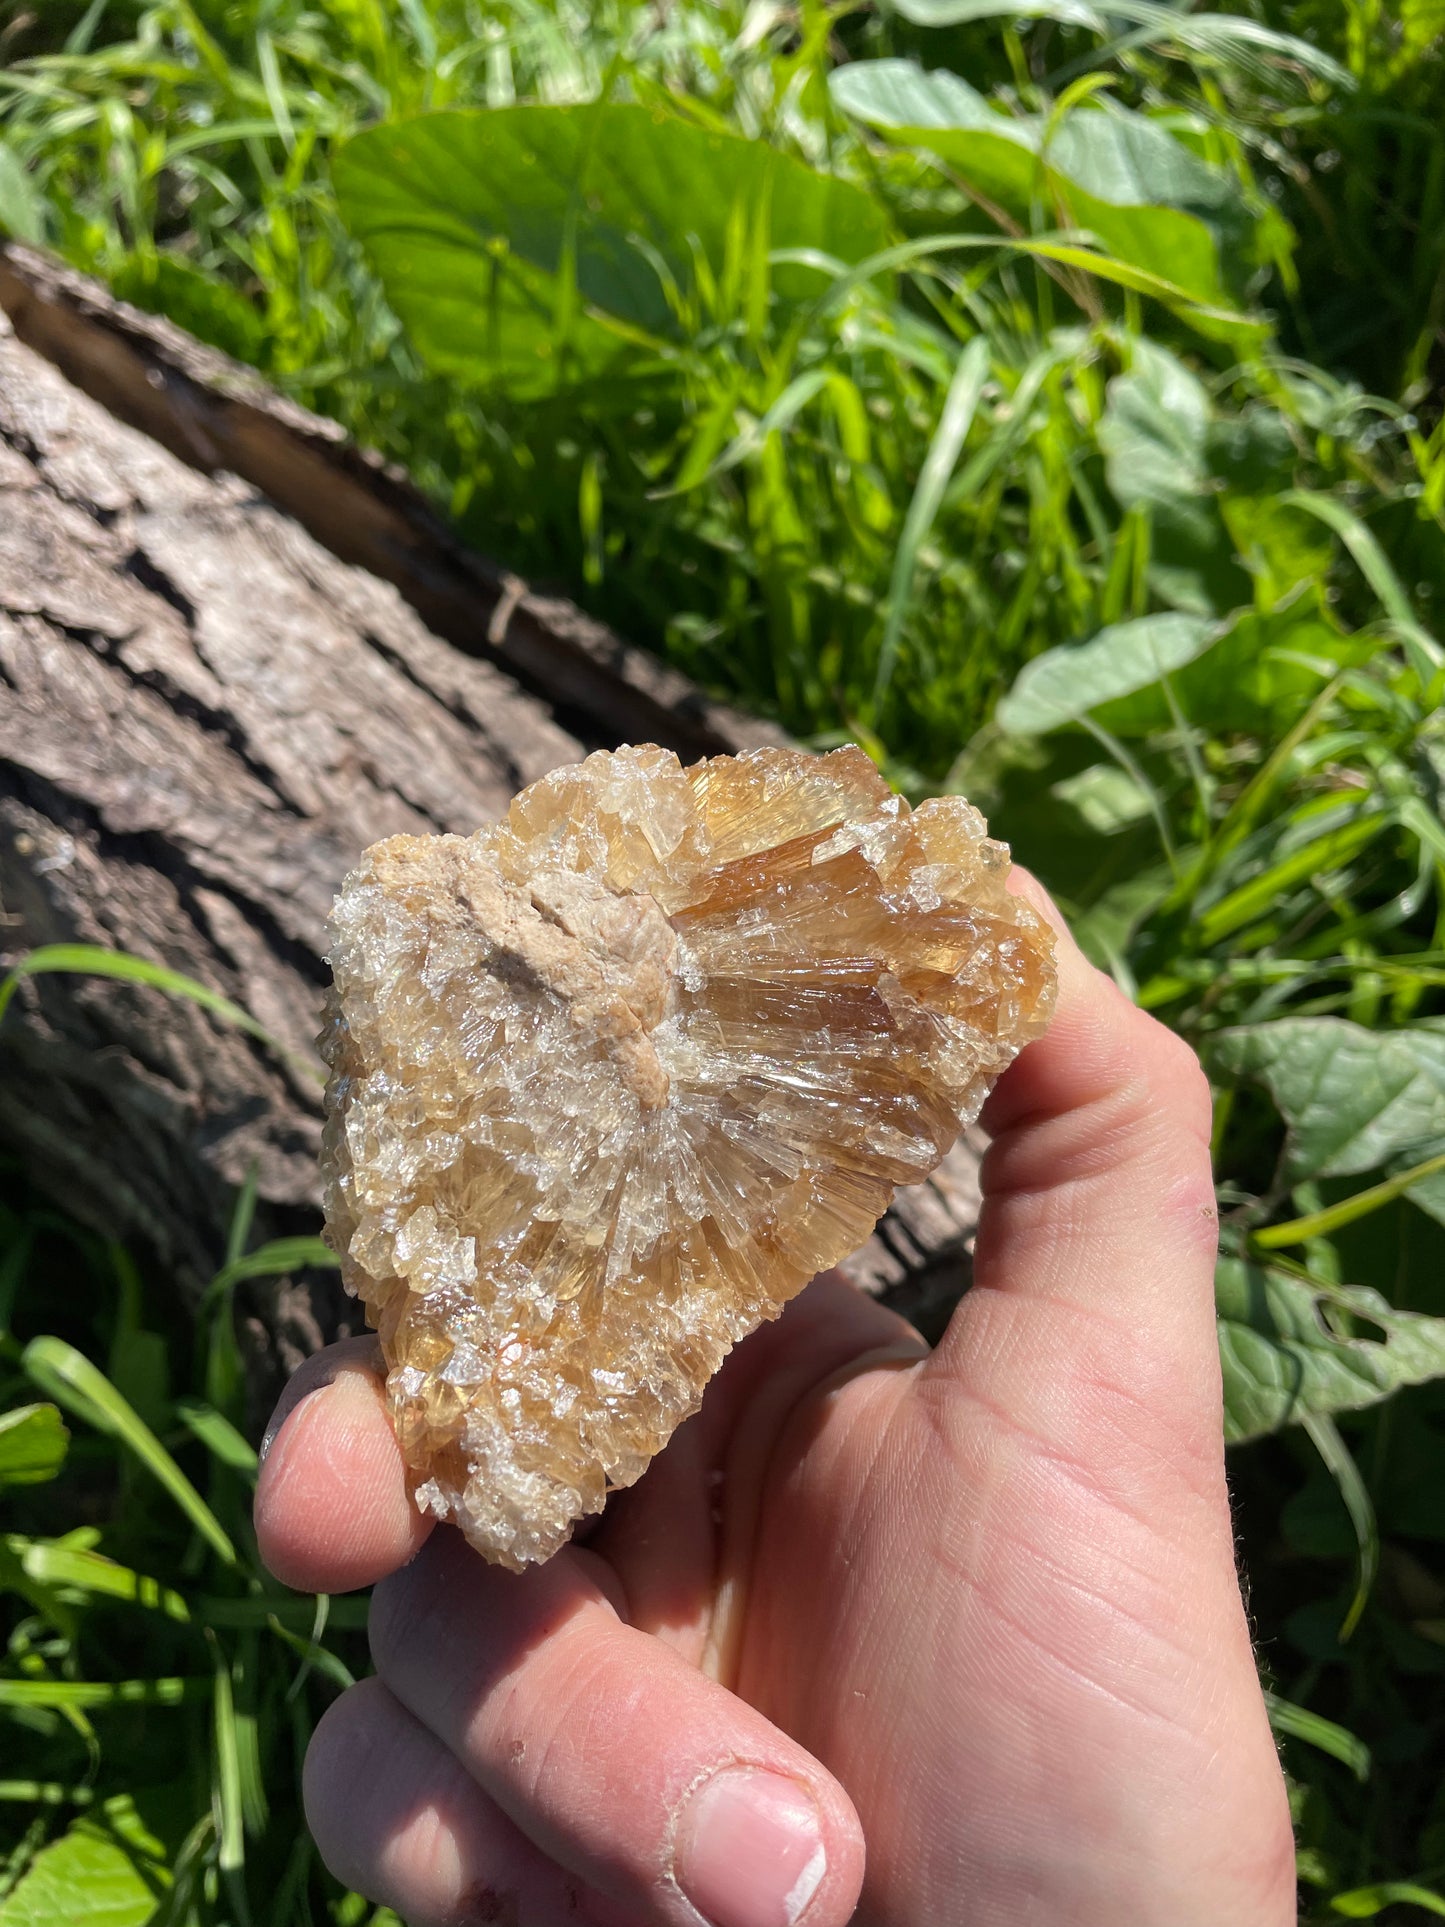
(1155, 431)
(106, 1870)
(1258, 676)
(1156, 435)
(527, 245)
(1352, 1099)
(1151, 202)
(1217, 36)
(1291, 1348)
(1107, 797)
(1065, 684)
(33, 1439)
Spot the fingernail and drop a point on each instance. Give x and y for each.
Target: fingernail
(343, 1382)
(348, 1358)
(750, 1849)
(279, 1417)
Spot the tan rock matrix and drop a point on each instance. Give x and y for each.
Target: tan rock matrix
(614, 1077)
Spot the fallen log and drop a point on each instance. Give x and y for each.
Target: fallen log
(205, 714)
(221, 418)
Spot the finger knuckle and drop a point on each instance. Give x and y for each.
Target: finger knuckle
(1171, 1085)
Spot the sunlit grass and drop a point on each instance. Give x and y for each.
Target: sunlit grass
(1011, 431)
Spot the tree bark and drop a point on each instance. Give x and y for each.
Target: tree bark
(205, 715)
(220, 417)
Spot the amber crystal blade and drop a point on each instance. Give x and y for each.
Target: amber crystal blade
(613, 1078)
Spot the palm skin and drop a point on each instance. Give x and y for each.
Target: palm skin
(885, 1635)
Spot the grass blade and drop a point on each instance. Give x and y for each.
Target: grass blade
(1334, 1217)
(226, 1793)
(243, 1215)
(273, 1260)
(1374, 566)
(219, 1436)
(1340, 1464)
(71, 1380)
(71, 1694)
(91, 960)
(1364, 1903)
(314, 1658)
(1298, 1723)
(1261, 893)
(959, 409)
(45, 1793)
(55, 1565)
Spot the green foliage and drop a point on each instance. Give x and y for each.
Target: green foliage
(154, 1682)
(641, 407)
(1293, 1346)
(107, 1869)
(1148, 199)
(476, 222)
(1352, 1099)
(1045, 394)
(32, 1444)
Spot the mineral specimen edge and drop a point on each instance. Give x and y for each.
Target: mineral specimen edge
(613, 1078)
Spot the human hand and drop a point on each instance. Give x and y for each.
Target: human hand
(977, 1607)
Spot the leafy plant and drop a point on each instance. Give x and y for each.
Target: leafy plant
(1243, 818)
(155, 1682)
(1045, 394)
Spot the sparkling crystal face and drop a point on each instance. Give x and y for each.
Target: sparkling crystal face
(613, 1078)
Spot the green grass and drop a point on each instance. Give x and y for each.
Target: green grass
(158, 1688)
(191, 165)
(916, 401)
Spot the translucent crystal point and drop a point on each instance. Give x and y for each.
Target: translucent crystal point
(614, 1077)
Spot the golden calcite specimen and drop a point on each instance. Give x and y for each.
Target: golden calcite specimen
(613, 1078)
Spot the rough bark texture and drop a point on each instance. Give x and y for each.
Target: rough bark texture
(205, 715)
(220, 417)
(204, 718)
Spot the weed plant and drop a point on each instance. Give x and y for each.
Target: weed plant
(1047, 398)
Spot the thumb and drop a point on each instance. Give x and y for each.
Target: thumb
(1097, 1234)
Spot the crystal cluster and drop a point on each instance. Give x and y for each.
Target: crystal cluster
(614, 1077)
